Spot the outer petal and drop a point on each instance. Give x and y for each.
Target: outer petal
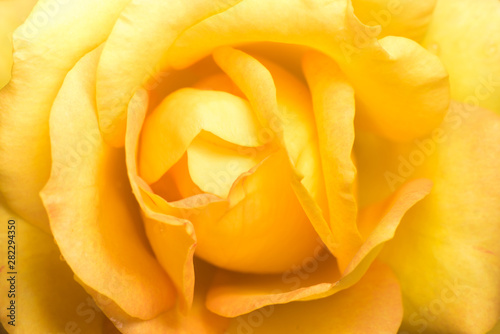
(196, 320)
(93, 215)
(47, 299)
(13, 14)
(404, 18)
(134, 51)
(403, 88)
(447, 252)
(373, 305)
(465, 34)
(53, 38)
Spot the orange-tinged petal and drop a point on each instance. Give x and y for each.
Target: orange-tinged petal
(172, 126)
(233, 294)
(446, 252)
(13, 13)
(43, 54)
(333, 100)
(403, 87)
(93, 215)
(404, 18)
(283, 108)
(47, 299)
(373, 305)
(465, 34)
(197, 320)
(134, 51)
(265, 229)
(169, 231)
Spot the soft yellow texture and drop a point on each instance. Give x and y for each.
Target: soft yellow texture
(135, 50)
(48, 300)
(214, 167)
(14, 12)
(43, 54)
(93, 215)
(406, 18)
(445, 252)
(373, 305)
(333, 99)
(465, 34)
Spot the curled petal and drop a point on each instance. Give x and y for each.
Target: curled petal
(373, 305)
(233, 295)
(135, 50)
(333, 99)
(169, 130)
(43, 52)
(93, 216)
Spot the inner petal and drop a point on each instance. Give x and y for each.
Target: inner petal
(214, 167)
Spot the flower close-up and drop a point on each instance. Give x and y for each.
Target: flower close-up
(250, 166)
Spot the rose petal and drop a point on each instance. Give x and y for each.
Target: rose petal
(93, 215)
(234, 296)
(287, 120)
(214, 168)
(333, 100)
(404, 18)
(402, 93)
(53, 38)
(265, 229)
(13, 14)
(169, 231)
(47, 299)
(134, 51)
(446, 252)
(404, 88)
(373, 305)
(197, 320)
(169, 130)
(465, 34)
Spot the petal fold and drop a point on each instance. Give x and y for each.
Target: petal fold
(49, 43)
(373, 305)
(93, 215)
(135, 50)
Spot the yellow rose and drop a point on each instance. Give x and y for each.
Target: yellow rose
(250, 166)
